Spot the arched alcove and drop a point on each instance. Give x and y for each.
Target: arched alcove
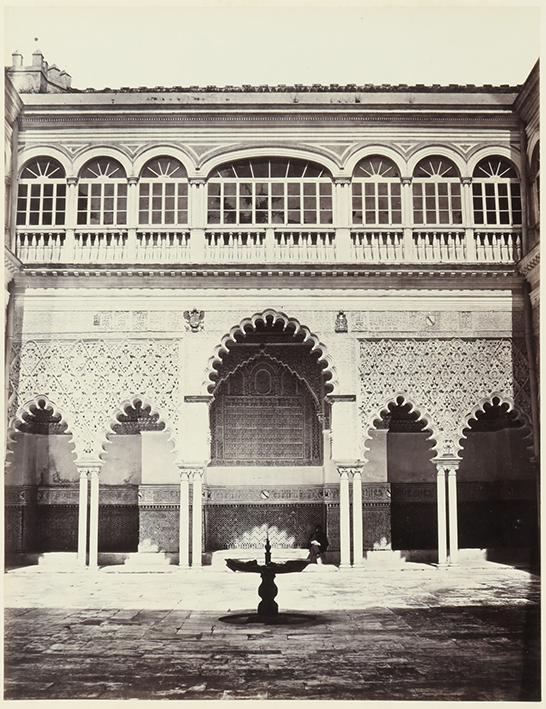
(399, 452)
(497, 487)
(269, 381)
(42, 463)
(137, 452)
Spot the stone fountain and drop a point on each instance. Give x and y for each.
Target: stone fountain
(268, 610)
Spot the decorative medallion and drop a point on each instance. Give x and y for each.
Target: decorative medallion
(194, 319)
(341, 322)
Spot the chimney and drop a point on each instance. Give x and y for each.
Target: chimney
(16, 59)
(37, 57)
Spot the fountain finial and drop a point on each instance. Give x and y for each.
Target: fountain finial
(267, 548)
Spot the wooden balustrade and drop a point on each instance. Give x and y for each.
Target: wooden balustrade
(378, 246)
(433, 246)
(235, 246)
(171, 246)
(162, 246)
(40, 246)
(304, 246)
(99, 246)
(498, 246)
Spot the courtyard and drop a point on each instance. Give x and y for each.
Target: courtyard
(410, 633)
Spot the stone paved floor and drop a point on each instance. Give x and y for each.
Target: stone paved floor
(416, 633)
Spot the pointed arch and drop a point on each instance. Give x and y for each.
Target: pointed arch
(496, 399)
(127, 404)
(273, 316)
(400, 398)
(276, 360)
(26, 411)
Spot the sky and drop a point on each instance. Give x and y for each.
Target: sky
(218, 44)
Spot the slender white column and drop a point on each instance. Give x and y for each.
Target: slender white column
(197, 518)
(441, 513)
(407, 220)
(82, 518)
(357, 517)
(344, 520)
(342, 219)
(131, 247)
(71, 219)
(184, 529)
(453, 515)
(197, 215)
(468, 220)
(94, 520)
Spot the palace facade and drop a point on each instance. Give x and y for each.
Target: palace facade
(247, 310)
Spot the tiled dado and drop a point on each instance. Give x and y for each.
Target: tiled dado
(19, 495)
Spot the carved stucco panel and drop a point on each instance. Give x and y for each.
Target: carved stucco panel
(446, 379)
(89, 379)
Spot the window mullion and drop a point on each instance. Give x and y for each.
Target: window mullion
(497, 207)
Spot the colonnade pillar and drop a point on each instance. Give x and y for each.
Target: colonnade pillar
(468, 218)
(346, 474)
(82, 517)
(197, 519)
(184, 529)
(357, 518)
(342, 218)
(407, 218)
(94, 518)
(88, 515)
(71, 219)
(441, 515)
(344, 519)
(446, 503)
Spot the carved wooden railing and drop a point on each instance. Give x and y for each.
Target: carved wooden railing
(226, 246)
(181, 246)
(304, 246)
(40, 246)
(162, 246)
(439, 246)
(99, 245)
(375, 246)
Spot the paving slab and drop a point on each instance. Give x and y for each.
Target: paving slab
(427, 634)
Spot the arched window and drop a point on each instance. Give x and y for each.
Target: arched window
(41, 199)
(496, 192)
(102, 193)
(163, 192)
(436, 192)
(270, 191)
(376, 192)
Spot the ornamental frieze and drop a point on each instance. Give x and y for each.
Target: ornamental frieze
(216, 495)
(436, 322)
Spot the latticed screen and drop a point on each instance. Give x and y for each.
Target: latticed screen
(41, 198)
(436, 192)
(102, 193)
(270, 191)
(376, 192)
(496, 193)
(163, 193)
(263, 415)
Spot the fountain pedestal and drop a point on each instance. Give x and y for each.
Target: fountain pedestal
(267, 609)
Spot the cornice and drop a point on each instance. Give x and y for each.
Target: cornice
(439, 276)
(504, 119)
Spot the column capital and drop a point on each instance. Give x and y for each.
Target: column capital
(349, 469)
(133, 180)
(344, 181)
(449, 465)
(72, 180)
(197, 181)
(406, 180)
(88, 469)
(466, 180)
